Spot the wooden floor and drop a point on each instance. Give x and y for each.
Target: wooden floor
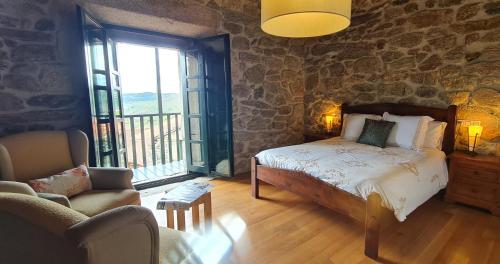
(285, 228)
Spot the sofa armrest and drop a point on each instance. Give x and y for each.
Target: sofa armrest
(16, 187)
(60, 199)
(127, 234)
(111, 178)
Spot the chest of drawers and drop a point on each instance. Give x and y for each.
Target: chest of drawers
(474, 180)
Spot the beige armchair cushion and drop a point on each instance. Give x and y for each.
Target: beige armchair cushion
(57, 198)
(16, 187)
(37, 154)
(54, 217)
(96, 201)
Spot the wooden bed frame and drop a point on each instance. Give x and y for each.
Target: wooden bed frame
(369, 212)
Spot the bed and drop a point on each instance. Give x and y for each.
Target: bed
(373, 197)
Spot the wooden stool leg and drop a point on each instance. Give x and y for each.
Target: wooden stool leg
(208, 210)
(181, 220)
(170, 218)
(196, 216)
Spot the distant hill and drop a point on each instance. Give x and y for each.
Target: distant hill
(147, 103)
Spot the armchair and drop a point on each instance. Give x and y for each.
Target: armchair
(36, 230)
(40, 154)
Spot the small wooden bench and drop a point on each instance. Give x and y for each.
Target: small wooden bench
(184, 198)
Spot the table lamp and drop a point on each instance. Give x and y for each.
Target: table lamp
(474, 136)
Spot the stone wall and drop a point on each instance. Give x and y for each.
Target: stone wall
(42, 85)
(433, 53)
(39, 87)
(268, 88)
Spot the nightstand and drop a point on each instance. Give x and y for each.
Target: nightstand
(474, 180)
(310, 137)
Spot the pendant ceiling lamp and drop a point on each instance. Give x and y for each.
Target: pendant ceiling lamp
(304, 18)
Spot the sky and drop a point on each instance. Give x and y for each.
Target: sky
(137, 67)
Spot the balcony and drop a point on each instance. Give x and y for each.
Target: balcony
(155, 145)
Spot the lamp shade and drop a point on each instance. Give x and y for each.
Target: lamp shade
(329, 119)
(329, 122)
(304, 18)
(474, 135)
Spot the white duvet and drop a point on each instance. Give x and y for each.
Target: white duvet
(404, 178)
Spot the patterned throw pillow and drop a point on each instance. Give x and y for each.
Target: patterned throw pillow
(375, 132)
(68, 183)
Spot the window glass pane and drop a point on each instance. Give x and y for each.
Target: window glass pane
(137, 66)
(107, 160)
(117, 103)
(102, 109)
(193, 83)
(194, 103)
(123, 160)
(170, 80)
(196, 155)
(104, 131)
(192, 66)
(112, 57)
(99, 79)
(195, 130)
(97, 54)
(121, 136)
(116, 80)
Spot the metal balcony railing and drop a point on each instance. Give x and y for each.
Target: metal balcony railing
(153, 139)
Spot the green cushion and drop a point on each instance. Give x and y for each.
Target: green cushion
(375, 132)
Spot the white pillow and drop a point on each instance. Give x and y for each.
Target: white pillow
(408, 132)
(68, 183)
(434, 136)
(353, 125)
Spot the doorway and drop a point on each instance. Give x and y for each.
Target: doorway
(152, 106)
(160, 104)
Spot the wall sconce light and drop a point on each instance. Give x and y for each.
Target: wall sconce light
(329, 123)
(475, 132)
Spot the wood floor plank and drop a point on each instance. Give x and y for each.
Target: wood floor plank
(285, 228)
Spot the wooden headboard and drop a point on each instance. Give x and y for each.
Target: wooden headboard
(447, 115)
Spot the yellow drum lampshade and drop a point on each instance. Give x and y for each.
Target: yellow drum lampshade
(304, 18)
(474, 135)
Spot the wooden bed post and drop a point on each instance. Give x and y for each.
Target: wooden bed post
(372, 225)
(255, 181)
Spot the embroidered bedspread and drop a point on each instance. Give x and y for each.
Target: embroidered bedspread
(404, 178)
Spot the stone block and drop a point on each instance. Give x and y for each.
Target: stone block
(403, 63)
(426, 91)
(52, 101)
(428, 18)
(21, 82)
(430, 63)
(33, 53)
(23, 35)
(407, 40)
(45, 24)
(467, 11)
(492, 8)
(255, 74)
(10, 103)
(367, 65)
(240, 43)
(487, 98)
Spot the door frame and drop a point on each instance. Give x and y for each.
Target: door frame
(157, 39)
